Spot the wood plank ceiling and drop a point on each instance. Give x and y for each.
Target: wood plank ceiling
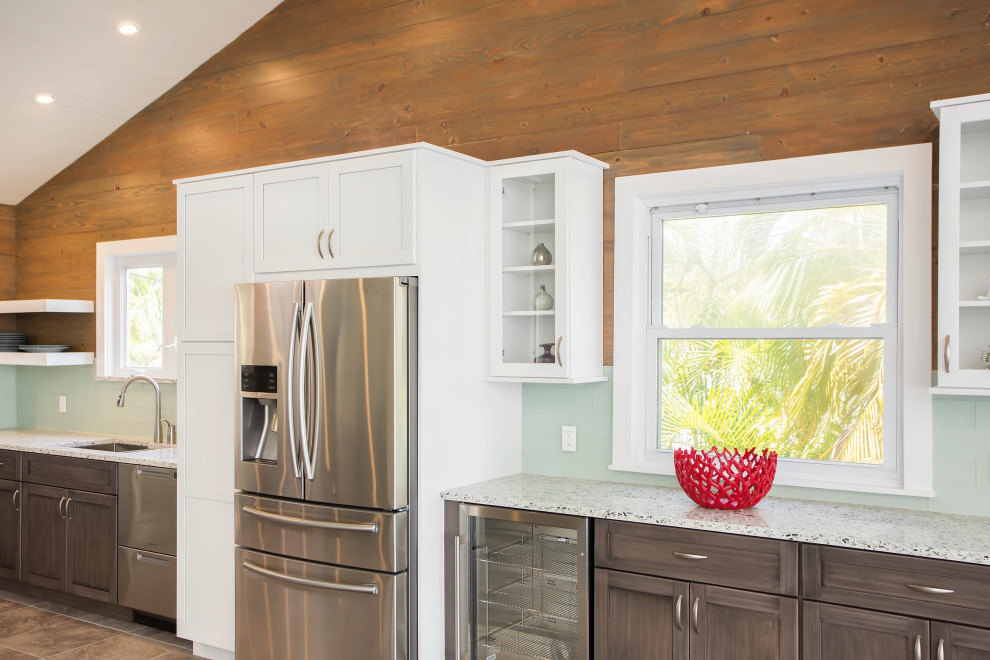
(648, 86)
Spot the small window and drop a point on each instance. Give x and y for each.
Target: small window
(136, 308)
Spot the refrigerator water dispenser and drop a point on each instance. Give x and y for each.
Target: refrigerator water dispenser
(259, 414)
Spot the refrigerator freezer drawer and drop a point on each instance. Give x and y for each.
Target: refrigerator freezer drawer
(306, 611)
(146, 581)
(316, 532)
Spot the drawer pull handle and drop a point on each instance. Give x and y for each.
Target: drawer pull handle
(917, 647)
(371, 589)
(677, 612)
(688, 555)
(694, 616)
(930, 590)
(145, 472)
(151, 560)
(371, 528)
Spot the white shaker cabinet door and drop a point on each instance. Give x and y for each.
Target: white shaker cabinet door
(373, 211)
(291, 224)
(207, 403)
(214, 227)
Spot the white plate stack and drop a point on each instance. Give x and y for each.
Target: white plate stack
(11, 341)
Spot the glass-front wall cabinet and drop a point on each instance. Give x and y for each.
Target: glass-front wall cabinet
(964, 242)
(545, 229)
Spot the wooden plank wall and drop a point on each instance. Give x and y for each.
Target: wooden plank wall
(8, 249)
(645, 85)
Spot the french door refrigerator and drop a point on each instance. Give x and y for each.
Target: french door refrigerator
(325, 466)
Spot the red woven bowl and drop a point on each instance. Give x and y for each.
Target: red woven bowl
(724, 478)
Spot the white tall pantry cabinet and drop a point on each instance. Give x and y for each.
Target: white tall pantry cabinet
(414, 210)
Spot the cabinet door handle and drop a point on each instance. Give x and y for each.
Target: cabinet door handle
(688, 555)
(60, 503)
(560, 360)
(917, 647)
(940, 653)
(329, 245)
(945, 354)
(694, 616)
(68, 513)
(319, 243)
(930, 590)
(677, 612)
(15, 498)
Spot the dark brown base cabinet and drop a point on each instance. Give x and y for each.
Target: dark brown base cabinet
(832, 632)
(640, 617)
(952, 642)
(68, 537)
(10, 529)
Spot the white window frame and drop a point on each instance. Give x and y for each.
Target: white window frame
(909, 169)
(112, 258)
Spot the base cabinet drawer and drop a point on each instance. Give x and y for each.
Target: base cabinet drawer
(146, 581)
(914, 586)
(10, 464)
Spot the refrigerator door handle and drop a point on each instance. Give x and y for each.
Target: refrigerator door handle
(371, 589)
(304, 394)
(317, 397)
(371, 528)
(288, 388)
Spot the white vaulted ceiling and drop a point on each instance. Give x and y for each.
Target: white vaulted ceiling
(71, 49)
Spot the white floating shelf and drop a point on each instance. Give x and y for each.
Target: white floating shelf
(974, 303)
(23, 359)
(46, 305)
(541, 312)
(527, 269)
(974, 247)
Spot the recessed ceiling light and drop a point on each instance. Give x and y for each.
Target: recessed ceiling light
(44, 98)
(127, 28)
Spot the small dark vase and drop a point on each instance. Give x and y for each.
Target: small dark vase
(547, 356)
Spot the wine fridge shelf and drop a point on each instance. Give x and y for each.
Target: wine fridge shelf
(542, 594)
(549, 555)
(537, 636)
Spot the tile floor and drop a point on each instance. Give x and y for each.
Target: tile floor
(33, 628)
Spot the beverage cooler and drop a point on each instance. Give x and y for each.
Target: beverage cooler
(516, 584)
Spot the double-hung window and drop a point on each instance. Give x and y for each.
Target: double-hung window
(136, 308)
(774, 314)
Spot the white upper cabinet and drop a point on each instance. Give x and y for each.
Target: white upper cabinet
(372, 211)
(964, 243)
(291, 218)
(545, 268)
(214, 254)
(346, 213)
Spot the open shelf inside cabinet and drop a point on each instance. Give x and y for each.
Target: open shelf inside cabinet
(974, 336)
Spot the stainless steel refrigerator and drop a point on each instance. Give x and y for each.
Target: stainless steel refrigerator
(326, 469)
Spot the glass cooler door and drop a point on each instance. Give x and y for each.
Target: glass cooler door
(524, 582)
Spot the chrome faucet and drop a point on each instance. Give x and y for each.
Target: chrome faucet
(159, 420)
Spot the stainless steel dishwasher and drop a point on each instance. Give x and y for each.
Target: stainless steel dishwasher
(146, 539)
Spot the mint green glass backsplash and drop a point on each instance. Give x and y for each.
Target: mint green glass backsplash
(91, 405)
(961, 453)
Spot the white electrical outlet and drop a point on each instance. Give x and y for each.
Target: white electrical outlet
(61, 403)
(568, 438)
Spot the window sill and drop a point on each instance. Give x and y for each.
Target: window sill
(121, 379)
(824, 484)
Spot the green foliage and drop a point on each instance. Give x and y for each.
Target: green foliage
(819, 399)
(144, 316)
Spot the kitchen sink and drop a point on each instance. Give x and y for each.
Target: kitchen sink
(114, 447)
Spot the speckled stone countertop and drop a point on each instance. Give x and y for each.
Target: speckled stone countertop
(67, 443)
(922, 534)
